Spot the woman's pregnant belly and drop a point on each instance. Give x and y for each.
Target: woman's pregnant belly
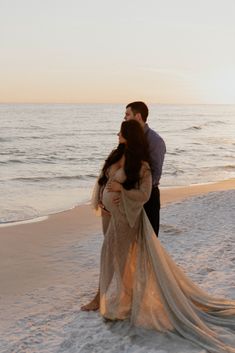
(107, 200)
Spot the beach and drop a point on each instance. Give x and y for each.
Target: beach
(71, 74)
(50, 267)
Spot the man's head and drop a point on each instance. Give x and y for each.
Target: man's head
(137, 111)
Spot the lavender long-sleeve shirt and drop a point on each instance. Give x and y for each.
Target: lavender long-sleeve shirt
(157, 150)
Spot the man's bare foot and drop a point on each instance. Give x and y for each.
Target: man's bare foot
(92, 306)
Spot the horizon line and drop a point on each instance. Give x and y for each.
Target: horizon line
(113, 103)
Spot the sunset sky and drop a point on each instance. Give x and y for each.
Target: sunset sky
(107, 51)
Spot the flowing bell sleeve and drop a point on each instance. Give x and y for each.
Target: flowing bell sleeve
(132, 200)
(95, 198)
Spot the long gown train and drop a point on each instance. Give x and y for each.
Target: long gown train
(140, 281)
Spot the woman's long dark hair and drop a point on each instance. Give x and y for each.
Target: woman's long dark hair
(135, 151)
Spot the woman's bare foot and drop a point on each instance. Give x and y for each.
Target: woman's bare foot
(93, 305)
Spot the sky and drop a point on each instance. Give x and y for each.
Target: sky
(106, 51)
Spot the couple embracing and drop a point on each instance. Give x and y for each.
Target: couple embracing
(139, 280)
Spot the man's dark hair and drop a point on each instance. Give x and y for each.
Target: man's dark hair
(139, 107)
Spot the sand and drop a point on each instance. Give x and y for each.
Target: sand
(49, 268)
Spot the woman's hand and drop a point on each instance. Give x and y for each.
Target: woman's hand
(103, 209)
(114, 186)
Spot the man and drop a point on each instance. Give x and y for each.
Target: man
(157, 149)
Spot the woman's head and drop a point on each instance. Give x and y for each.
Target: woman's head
(134, 147)
(136, 150)
(132, 134)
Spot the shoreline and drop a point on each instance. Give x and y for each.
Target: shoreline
(169, 194)
(180, 193)
(28, 250)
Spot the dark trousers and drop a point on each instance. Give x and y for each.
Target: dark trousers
(152, 209)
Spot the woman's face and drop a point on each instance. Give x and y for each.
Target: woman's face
(121, 138)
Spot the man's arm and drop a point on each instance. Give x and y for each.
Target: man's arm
(157, 150)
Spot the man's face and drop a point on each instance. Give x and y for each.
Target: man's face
(129, 114)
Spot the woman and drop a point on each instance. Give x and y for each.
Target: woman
(139, 281)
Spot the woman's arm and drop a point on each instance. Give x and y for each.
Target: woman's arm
(142, 193)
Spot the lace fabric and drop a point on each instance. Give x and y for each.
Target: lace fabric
(139, 280)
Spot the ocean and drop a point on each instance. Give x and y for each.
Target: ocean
(51, 154)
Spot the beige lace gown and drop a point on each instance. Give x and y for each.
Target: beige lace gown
(139, 281)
